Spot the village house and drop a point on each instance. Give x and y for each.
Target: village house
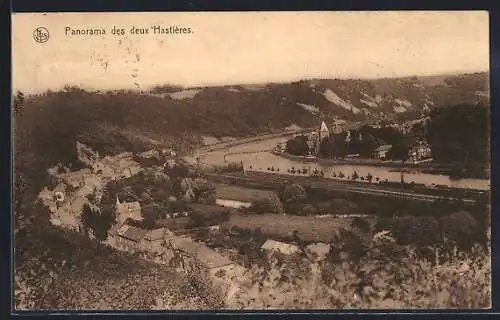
(155, 236)
(317, 251)
(129, 171)
(174, 223)
(150, 154)
(149, 158)
(74, 179)
(128, 210)
(173, 215)
(177, 251)
(169, 153)
(228, 203)
(271, 246)
(103, 169)
(189, 252)
(59, 193)
(420, 151)
(127, 238)
(380, 153)
(338, 126)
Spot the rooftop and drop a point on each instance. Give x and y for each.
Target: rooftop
(207, 256)
(132, 233)
(282, 247)
(385, 147)
(158, 234)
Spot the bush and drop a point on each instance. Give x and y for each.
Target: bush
(361, 225)
(343, 206)
(204, 191)
(294, 208)
(271, 204)
(383, 224)
(460, 228)
(308, 210)
(418, 231)
(199, 219)
(151, 213)
(323, 207)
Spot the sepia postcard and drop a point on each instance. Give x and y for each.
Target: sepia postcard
(251, 161)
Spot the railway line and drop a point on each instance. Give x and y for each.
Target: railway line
(277, 180)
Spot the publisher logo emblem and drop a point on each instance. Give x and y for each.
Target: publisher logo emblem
(41, 35)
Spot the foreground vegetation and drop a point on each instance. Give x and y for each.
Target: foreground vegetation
(387, 277)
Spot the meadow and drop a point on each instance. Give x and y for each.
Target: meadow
(282, 227)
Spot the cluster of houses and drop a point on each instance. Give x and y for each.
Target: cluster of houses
(419, 151)
(167, 242)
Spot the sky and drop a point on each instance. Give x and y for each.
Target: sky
(244, 47)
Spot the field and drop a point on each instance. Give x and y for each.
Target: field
(276, 226)
(231, 192)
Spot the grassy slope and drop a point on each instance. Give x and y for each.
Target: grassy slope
(231, 192)
(276, 226)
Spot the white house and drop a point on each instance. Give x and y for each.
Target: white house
(228, 203)
(317, 251)
(382, 151)
(281, 247)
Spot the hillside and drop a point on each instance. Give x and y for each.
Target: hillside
(246, 110)
(302, 102)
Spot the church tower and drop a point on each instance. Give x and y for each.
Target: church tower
(324, 132)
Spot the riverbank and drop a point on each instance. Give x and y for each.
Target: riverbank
(474, 172)
(223, 145)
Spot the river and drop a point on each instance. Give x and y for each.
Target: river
(261, 161)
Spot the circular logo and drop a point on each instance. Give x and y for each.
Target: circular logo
(41, 35)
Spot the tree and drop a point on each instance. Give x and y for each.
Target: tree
(459, 227)
(308, 210)
(99, 221)
(178, 171)
(18, 103)
(204, 191)
(271, 204)
(361, 225)
(460, 134)
(399, 151)
(293, 193)
(150, 213)
(298, 146)
(355, 176)
(369, 177)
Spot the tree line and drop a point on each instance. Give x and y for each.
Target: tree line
(456, 134)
